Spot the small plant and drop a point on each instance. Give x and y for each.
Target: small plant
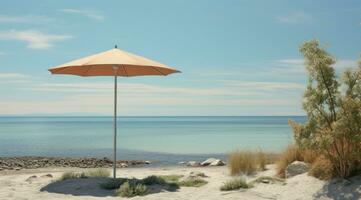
(192, 182)
(268, 179)
(235, 184)
(71, 175)
(131, 189)
(97, 173)
(150, 180)
(242, 162)
(321, 169)
(261, 160)
(171, 178)
(113, 184)
(291, 154)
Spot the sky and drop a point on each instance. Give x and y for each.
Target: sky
(238, 58)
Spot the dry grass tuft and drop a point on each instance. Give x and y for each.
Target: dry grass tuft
(235, 184)
(291, 154)
(294, 153)
(321, 168)
(247, 162)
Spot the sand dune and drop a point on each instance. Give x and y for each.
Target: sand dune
(33, 184)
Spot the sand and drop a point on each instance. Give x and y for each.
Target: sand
(19, 185)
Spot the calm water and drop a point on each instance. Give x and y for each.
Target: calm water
(150, 138)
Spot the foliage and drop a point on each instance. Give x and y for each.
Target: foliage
(131, 189)
(192, 182)
(333, 109)
(113, 183)
(235, 184)
(291, 154)
(321, 169)
(269, 179)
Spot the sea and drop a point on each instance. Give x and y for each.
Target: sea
(161, 140)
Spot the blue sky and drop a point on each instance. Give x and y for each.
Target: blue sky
(237, 57)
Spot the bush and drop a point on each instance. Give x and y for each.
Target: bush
(321, 169)
(192, 182)
(247, 162)
(333, 110)
(113, 184)
(171, 178)
(150, 180)
(131, 189)
(235, 184)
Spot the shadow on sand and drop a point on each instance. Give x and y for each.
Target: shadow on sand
(341, 190)
(92, 187)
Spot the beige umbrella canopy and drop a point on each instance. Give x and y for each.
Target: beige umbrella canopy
(114, 62)
(111, 63)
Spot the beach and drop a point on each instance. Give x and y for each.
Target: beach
(27, 184)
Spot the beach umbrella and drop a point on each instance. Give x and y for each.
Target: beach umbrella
(114, 62)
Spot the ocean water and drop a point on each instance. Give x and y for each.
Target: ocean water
(160, 139)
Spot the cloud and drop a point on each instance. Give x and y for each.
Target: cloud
(267, 86)
(12, 75)
(23, 19)
(297, 66)
(92, 14)
(295, 18)
(35, 39)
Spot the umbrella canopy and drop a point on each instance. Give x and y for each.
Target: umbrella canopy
(114, 62)
(111, 63)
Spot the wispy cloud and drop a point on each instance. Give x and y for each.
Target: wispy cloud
(295, 18)
(12, 75)
(23, 19)
(92, 14)
(35, 39)
(266, 85)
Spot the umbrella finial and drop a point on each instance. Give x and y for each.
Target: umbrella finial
(116, 46)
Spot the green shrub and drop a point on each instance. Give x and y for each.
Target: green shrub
(235, 184)
(131, 189)
(171, 178)
(268, 179)
(150, 180)
(71, 175)
(113, 183)
(333, 110)
(192, 182)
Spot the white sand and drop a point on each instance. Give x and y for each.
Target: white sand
(14, 185)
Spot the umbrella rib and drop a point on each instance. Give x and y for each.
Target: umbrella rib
(126, 73)
(158, 71)
(87, 70)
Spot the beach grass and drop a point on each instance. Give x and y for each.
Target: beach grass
(192, 182)
(97, 173)
(247, 162)
(293, 153)
(131, 189)
(71, 175)
(268, 179)
(235, 184)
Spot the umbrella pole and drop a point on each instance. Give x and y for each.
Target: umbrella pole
(115, 128)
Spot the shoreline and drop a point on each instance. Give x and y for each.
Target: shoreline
(35, 162)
